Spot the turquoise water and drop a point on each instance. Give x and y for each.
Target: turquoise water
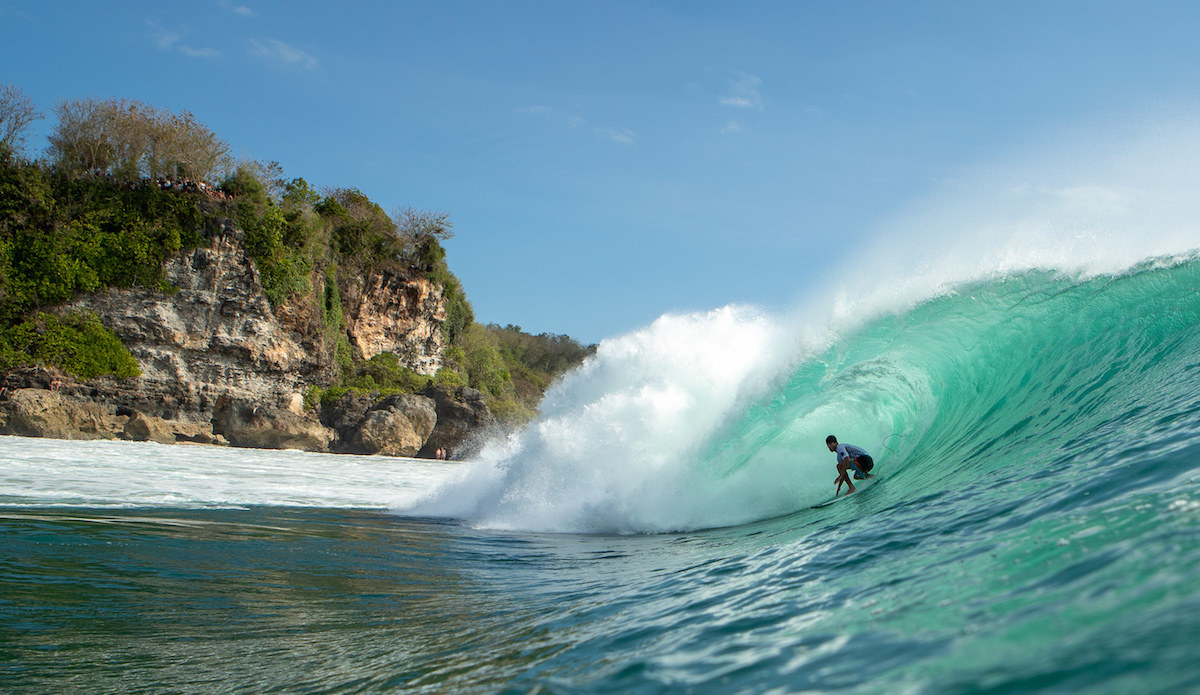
(1035, 527)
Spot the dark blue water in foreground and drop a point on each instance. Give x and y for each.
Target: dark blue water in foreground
(1036, 528)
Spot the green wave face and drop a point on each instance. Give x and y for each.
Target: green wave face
(1035, 370)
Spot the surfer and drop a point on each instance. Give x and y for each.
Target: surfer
(849, 457)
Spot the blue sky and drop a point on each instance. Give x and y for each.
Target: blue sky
(608, 162)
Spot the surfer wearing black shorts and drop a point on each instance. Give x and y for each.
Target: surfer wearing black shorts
(849, 458)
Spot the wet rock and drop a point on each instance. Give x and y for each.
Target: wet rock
(463, 421)
(396, 426)
(150, 428)
(46, 413)
(345, 416)
(142, 428)
(247, 424)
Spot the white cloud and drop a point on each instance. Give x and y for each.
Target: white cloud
(623, 136)
(733, 127)
(744, 93)
(276, 50)
(164, 39)
(169, 41)
(237, 9)
(199, 52)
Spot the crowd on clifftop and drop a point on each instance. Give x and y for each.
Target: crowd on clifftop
(190, 186)
(171, 183)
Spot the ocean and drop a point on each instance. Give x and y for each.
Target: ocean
(1035, 525)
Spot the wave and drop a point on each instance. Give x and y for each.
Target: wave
(719, 419)
(1019, 311)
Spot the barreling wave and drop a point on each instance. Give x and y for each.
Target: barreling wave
(1040, 312)
(719, 419)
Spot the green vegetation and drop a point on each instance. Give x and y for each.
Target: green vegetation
(534, 362)
(511, 368)
(76, 343)
(125, 185)
(61, 236)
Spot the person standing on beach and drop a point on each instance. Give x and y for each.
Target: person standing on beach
(849, 457)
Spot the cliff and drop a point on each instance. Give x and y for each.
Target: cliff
(392, 313)
(140, 299)
(220, 365)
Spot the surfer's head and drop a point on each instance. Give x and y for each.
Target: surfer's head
(831, 442)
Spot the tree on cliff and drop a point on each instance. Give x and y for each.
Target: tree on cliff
(421, 232)
(17, 113)
(131, 139)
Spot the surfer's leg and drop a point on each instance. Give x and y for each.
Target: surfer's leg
(843, 469)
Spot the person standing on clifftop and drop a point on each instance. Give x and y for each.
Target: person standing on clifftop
(849, 457)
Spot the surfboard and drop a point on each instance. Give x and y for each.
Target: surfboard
(859, 487)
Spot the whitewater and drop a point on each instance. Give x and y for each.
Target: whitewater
(1023, 364)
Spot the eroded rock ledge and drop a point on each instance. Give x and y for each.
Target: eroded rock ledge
(398, 425)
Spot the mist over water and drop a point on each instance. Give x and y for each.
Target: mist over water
(618, 443)
(1096, 199)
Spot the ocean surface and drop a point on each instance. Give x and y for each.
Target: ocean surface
(1035, 527)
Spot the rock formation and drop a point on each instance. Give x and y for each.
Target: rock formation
(220, 365)
(248, 424)
(463, 419)
(391, 313)
(216, 335)
(44, 413)
(397, 425)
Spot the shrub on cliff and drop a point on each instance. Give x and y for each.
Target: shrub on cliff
(76, 343)
(382, 375)
(384, 371)
(61, 236)
(284, 269)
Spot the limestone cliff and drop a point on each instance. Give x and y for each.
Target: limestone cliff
(392, 313)
(220, 364)
(216, 335)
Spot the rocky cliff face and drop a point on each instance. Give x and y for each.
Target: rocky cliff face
(391, 313)
(216, 335)
(219, 365)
